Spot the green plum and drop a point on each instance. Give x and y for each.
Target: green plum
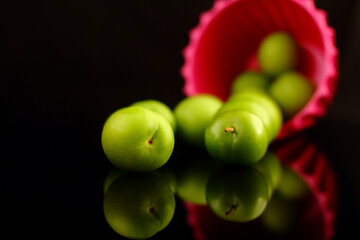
(291, 185)
(271, 168)
(270, 106)
(236, 136)
(138, 205)
(253, 107)
(249, 80)
(277, 53)
(291, 91)
(193, 114)
(137, 139)
(237, 193)
(160, 108)
(192, 179)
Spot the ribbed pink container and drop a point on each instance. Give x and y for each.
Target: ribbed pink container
(225, 42)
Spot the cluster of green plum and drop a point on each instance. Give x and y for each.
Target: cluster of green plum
(240, 130)
(236, 134)
(139, 139)
(278, 58)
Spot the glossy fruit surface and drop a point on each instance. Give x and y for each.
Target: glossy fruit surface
(249, 81)
(270, 106)
(291, 91)
(193, 114)
(136, 139)
(236, 136)
(160, 108)
(255, 108)
(138, 205)
(277, 53)
(237, 193)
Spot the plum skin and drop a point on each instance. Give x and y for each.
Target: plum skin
(193, 114)
(136, 139)
(236, 137)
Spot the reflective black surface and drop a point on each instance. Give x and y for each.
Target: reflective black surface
(66, 65)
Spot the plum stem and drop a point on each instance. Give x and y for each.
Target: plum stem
(150, 142)
(232, 209)
(152, 212)
(229, 129)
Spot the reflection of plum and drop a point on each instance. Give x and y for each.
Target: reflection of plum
(280, 215)
(291, 185)
(271, 168)
(138, 205)
(167, 173)
(237, 193)
(111, 176)
(192, 179)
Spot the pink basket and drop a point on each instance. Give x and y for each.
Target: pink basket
(227, 37)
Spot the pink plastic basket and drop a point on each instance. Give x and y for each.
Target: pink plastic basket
(225, 41)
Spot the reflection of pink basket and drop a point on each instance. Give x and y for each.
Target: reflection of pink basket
(227, 37)
(312, 166)
(318, 214)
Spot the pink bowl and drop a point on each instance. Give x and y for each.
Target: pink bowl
(227, 37)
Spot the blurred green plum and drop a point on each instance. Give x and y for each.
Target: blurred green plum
(193, 114)
(249, 80)
(291, 91)
(277, 53)
(271, 168)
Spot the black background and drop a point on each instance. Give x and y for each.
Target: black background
(66, 65)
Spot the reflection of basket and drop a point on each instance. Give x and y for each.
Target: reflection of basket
(227, 37)
(319, 211)
(311, 164)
